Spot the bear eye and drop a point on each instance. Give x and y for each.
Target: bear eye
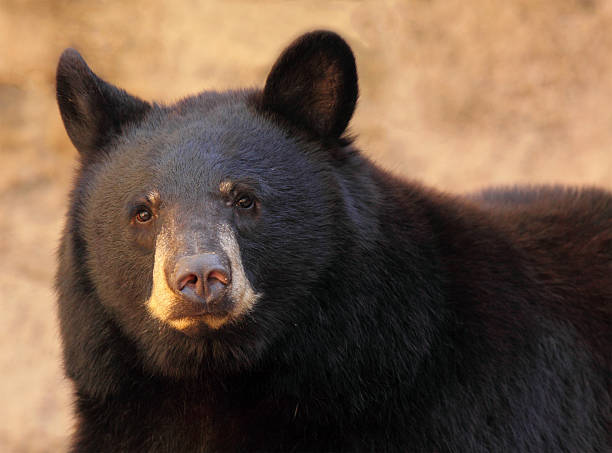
(244, 202)
(143, 215)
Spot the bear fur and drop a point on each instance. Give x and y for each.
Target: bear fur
(351, 310)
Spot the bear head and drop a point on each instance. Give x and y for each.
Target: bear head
(203, 228)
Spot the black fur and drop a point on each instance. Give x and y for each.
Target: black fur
(93, 111)
(392, 317)
(313, 84)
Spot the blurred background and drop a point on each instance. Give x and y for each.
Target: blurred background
(456, 93)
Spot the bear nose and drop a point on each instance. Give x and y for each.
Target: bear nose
(201, 278)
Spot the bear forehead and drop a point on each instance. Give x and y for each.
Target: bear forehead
(231, 131)
(192, 146)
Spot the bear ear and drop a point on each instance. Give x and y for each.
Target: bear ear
(313, 84)
(93, 110)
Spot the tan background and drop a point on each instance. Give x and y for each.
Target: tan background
(457, 93)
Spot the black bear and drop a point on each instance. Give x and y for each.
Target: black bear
(235, 276)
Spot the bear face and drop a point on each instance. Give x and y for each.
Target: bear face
(211, 182)
(193, 186)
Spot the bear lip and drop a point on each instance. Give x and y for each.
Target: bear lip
(203, 312)
(200, 325)
(213, 312)
(192, 310)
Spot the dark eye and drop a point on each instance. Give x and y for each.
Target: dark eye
(143, 215)
(244, 202)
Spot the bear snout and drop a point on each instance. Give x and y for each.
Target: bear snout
(202, 280)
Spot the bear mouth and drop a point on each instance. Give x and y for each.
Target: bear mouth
(198, 325)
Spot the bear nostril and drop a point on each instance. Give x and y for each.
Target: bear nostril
(216, 283)
(217, 276)
(190, 280)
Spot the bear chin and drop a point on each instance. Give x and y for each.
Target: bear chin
(199, 350)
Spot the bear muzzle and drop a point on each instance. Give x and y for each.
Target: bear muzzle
(202, 281)
(196, 292)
